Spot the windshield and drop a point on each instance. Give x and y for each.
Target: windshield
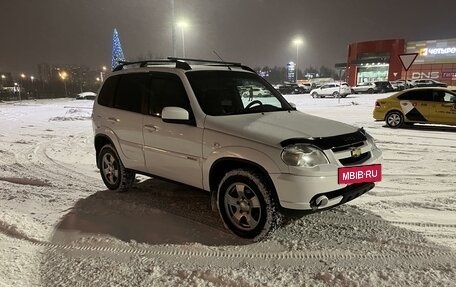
(222, 93)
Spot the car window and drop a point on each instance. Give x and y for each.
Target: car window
(167, 90)
(228, 92)
(449, 97)
(106, 96)
(417, 95)
(130, 92)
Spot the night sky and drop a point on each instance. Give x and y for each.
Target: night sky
(254, 32)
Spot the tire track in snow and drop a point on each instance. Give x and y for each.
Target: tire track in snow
(413, 255)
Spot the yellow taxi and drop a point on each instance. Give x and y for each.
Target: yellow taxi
(417, 105)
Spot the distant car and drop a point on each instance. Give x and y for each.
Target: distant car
(417, 105)
(427, 83)
(383, 87)
(336, 90)
(287, 89)
(306, 86)
(366, 87)
(397, 85)
(255, 91)
(86, 96)
(401, 84)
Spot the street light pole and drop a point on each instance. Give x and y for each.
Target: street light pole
(21, 85)
(63, 75)
(173, 29)
(33, 86)
(182, 25)
(297, 42)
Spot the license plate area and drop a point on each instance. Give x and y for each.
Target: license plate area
(358, 174)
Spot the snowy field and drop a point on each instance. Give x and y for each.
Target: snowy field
(59, 226)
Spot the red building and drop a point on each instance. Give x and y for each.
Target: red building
(379, 60)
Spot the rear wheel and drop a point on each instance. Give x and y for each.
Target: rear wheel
(336, 94)
(114, 174)
(370, 91)
(247, 205)
(314, 95)
(394, 119)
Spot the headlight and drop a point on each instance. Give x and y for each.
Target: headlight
(303, 155)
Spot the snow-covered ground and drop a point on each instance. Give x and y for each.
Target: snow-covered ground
(59, 226)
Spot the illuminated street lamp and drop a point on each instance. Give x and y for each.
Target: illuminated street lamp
(101, 73)
(64, 75)
(297, 42)
(33, 87)
(3, 80)
(17, 89)
(183, 25)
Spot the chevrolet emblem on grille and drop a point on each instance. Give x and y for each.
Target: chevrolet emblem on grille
(356, 152)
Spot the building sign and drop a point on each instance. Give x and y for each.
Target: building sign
(291, 76)
(425, 75)
(435, 51)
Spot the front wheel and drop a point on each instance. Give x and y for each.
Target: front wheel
(336, 95)
(247, 205)
(394, 119)
(314, 95)
(114, 174)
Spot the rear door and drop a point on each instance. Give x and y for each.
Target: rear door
(416, 104)
(120, 114)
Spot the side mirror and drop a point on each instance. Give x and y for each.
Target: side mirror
(175, 115)
(293, 105)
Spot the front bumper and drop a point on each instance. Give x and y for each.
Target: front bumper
(301, 192)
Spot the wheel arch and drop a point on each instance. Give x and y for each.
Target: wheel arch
(100, 141)
(222, 165)
(394, 110)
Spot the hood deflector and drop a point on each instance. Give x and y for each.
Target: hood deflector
(329, 142)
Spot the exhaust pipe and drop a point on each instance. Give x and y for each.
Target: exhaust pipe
(321, 201)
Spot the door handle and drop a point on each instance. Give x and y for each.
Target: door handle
(113, 120)
(150, 128)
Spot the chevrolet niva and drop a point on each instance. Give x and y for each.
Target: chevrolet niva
(186, 120)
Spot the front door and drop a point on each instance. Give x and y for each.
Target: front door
(171, 150)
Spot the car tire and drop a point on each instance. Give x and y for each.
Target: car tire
(315, 95)
(247, 205)
(394, 119)
(370, 91)
(114, 174)
(336, 95)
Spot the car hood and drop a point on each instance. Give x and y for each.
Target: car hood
(274, 127)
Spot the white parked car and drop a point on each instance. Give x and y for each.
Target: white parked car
(257, 157)
(366, 87)
(335, 90)
(86, 96)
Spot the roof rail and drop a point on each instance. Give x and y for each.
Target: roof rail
(181, 63)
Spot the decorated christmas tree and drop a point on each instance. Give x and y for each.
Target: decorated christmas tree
(117, 53)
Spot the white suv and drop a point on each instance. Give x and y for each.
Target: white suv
(336, 90)
(187, 121)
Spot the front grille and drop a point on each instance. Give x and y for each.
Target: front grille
(347, 147)
(355, 160)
